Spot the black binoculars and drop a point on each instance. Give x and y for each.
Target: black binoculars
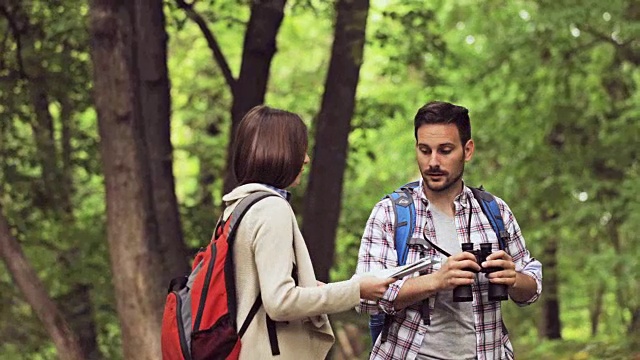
(497, 292)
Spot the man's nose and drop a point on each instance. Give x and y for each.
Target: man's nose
(434, 160)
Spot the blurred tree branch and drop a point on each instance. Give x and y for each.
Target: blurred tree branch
(623, 48)
(211, 41)
(17, 32)
(35, 293)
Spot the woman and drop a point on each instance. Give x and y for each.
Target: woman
(269, 155)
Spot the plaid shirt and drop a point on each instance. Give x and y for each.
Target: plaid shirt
(377, 251)
(284, 193)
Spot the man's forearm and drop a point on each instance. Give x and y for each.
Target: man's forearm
(524, 288)
(414, 290)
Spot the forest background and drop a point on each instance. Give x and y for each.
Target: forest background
(115, 120)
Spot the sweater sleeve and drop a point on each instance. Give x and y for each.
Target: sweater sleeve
(272, 234)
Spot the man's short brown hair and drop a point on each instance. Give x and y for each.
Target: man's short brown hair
(270, 147)
(440, 112)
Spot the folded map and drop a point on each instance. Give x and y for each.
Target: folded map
(401, 271)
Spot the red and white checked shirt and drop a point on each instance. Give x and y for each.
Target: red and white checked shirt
(377, 251)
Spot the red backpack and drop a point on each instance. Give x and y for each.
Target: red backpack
(199, 321)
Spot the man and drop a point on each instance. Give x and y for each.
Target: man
(425, 321)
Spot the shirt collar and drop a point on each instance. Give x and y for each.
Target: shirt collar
(461, 199)
(284, 193)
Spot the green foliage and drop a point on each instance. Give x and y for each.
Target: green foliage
(200, 127)
(573, 350)
(552, 88)
(550, 111)
(65, 249)
(564, 175)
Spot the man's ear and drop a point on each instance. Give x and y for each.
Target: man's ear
(469, 148)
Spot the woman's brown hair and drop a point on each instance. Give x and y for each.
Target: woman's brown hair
(270, 147)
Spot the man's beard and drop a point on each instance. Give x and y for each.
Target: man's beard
(448, 183)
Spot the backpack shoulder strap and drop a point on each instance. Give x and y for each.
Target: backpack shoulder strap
(243, 207)
(405, 222)
(405, 218)
(491, 210)
(235, 218)
(237, 215)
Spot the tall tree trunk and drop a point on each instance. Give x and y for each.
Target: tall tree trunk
(131, 225)
(76, 304)
(77, 307)
(58, 179)
(45, 143)
(66, 173)
(596, 309)
(633, 330)
(258, 51)
(206, 177)
(324, 191)
(25, 277)
(622, 291)
(155, 103)
(55, 164)
(551, 326)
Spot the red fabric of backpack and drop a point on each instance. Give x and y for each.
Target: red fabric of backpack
(199, 321)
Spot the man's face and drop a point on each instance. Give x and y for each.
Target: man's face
(441, 155)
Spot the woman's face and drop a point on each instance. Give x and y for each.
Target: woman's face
(296, 182)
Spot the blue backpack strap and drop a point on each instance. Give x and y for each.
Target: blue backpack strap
(405, 222)
(405, 219)
(491, 210)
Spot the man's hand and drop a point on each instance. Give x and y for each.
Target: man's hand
(457, 270)
(500, 259)
(522, 287)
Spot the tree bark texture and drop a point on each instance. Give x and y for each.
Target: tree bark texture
(47, 152)
(25, 277)
(131, 225)
(77, 307)
(633, 330)
(596, 308)
(551, 326)
(258, 51)
(66, 152)
(56, 170)
(155, 101)
(324, 191)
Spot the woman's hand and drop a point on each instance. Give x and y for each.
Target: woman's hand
(372, 288)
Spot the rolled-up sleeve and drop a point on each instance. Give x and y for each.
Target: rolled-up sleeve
(386, 302)
(532, 268)
(525, 264)
(377, 252)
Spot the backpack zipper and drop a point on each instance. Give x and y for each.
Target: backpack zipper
(181, 335)
(205, 289)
